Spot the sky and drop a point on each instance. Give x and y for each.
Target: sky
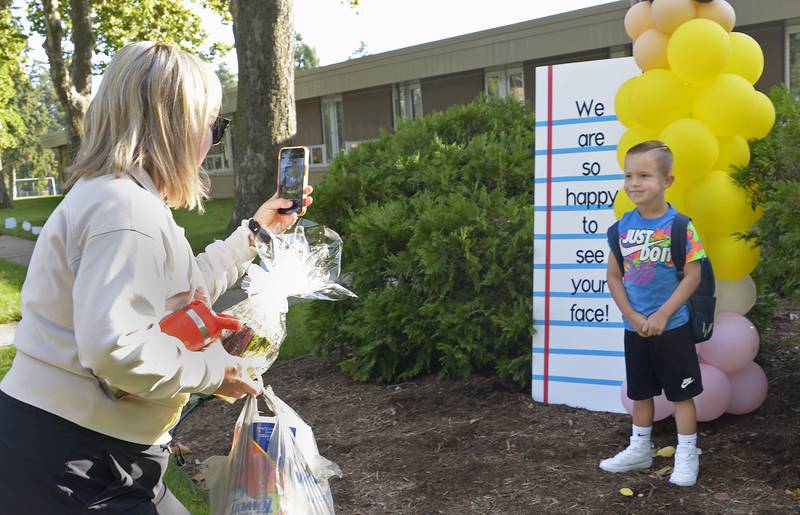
(336, 30)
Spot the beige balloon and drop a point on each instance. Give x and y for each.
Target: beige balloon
(668, 15)
(736, 296)
(650, 50)
(719, 11)
(638, 20)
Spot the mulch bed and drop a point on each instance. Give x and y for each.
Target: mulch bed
(476, 446)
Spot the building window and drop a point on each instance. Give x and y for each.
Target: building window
(318, 158)
(219, 159)
(332, 126)
(506, 83)
(407, 101)
(793, 60)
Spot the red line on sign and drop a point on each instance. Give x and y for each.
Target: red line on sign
(547, 241)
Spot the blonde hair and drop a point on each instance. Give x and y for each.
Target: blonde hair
(151, 111)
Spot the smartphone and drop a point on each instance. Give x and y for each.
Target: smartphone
(293, 178)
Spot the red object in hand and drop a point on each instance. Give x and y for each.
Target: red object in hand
(197, 325)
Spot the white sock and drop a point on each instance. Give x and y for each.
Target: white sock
(641, 434)
(687, 440)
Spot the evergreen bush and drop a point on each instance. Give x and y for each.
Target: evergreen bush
(437, 226)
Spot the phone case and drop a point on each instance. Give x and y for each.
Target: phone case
(306, 156)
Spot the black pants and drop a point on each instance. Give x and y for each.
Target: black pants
(51, 466)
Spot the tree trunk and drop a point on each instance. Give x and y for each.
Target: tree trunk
(73, 88)
(265, 112)
(5, 198)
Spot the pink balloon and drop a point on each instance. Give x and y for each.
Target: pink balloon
(733, 345)
(663, 407)
(716, 396)
(748, 389)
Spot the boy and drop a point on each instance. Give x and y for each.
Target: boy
(659, 348)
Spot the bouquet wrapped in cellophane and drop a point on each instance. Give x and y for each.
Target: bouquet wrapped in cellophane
(303, 263)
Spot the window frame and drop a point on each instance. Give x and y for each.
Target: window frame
(406, 91)
(337, 143)
(504, 73)
(787, 69)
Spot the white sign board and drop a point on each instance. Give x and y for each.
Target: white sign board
(578, 356)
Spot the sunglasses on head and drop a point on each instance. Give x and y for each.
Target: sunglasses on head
(218, 130)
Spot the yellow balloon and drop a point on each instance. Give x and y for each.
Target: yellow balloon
(622, 103)
(732, 258)
(718, 204)
(719, 11)
(699, 50)
(763, 117)
(650, 50)
(638, 20)
(747, 59)
(694, 147)
(668, 15)
(658, 98)
(633, 136)
(622, 204)
(726, 104)
(676, 196)
(733, 151)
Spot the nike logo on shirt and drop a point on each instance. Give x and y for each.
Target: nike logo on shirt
(627, 251)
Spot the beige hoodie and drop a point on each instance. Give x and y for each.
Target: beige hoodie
(108, 265)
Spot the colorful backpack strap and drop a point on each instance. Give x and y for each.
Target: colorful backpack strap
(613, 243)
(680, 224)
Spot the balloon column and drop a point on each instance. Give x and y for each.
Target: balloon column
(696, 94)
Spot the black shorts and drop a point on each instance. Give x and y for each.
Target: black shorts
(48, 465)
(666, 362)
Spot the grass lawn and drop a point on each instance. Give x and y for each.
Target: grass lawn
(11, 278)
(35, 210)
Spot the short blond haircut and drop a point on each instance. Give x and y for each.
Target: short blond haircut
(151, 111)
(663, 154)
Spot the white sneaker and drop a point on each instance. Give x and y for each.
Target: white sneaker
(687, 466)
(636, 456)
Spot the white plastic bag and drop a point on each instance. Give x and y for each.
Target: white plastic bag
(274, 466)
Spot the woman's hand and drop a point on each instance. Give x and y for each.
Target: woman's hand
(267, 215)
(237, 381)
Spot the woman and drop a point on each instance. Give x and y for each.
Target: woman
(109, 264)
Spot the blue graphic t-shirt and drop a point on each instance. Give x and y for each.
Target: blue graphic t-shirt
(649, 274)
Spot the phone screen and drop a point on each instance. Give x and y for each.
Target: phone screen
(291, 178)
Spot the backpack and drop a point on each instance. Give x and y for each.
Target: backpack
(702, 302)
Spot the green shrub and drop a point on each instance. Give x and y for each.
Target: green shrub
(437, 229)
(773, 181)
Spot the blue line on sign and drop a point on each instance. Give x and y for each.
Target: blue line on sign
(579, 380)
(575, 121)
(570, 323)
(581, 178)
(568, 295)
(571, 266)
(572, 208)
(582, 352)
(575, 236)
(576, 150)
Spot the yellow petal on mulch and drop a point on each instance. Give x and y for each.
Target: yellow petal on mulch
(664, 471)
(666, 452)
(794, 492)
(627, 492)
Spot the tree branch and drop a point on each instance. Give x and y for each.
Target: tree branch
(55, 54)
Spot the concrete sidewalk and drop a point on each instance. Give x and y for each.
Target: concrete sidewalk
(19, 251)
(16, 250)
